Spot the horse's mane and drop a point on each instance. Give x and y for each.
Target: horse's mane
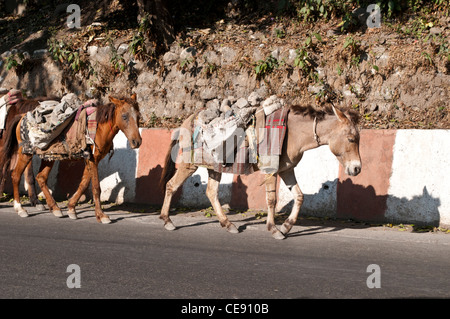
(308, 110)
(106, 112)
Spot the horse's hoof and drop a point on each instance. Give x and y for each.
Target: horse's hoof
(285, 229)
(232, 229)
(278, 235)
(169, 226)
(23, 213)
(72, 214)
(40, 207)
(58, 213)
(105, 220)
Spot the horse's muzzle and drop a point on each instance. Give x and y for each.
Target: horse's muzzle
(135, 143)
(353, 168)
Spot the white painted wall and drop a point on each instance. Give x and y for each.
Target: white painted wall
(317, 176)
(419, 188)
(118, 175)
(194, 189)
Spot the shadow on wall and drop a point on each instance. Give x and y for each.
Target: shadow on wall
(114, 174)
(148, 190)
(320, 204)
(239, 197)
(362, 203)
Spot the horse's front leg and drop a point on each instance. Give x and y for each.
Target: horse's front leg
(291, 183)
(30, 182)
(96, 192)
(85, 179)
(42, 178)
(22, 162)
(212, 191)
(271, 198)
(181, 175)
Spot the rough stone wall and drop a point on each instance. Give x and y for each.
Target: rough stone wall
(403, 87)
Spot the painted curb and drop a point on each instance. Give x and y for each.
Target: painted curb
(404, 179)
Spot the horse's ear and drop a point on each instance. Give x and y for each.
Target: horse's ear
(114, 100)
(339, 114)
(133, 96)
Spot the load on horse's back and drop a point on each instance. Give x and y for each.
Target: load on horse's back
(67, 120)
(11, 105)
(298, 130)
(120, 114)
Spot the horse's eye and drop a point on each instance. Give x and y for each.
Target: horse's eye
(351, 140)
(125, 117)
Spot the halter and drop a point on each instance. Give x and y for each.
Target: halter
(316, 137)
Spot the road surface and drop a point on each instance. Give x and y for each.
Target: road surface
(135, 257)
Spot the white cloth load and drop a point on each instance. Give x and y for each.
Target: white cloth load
(216, 125)
(272, 104)
(49, 119)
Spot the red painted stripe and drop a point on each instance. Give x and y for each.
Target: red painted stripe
(249, 191)
(364, 197)
(152, 153)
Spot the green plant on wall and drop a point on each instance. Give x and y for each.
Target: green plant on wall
(15, 60)
(138, 46)
(66, 55)
(264, 67)
(303, 60)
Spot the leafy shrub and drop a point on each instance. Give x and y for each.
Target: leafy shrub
(265, 67)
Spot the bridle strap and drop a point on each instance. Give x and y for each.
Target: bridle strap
(316, 137)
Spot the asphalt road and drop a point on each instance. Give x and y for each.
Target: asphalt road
(135, 257)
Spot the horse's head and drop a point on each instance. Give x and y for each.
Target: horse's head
(344, 143)
(127, 119)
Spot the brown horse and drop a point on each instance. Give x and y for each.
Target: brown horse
(121, 114)
(7, 163)
(306, 129)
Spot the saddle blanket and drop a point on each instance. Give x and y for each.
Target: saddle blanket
(271, 141)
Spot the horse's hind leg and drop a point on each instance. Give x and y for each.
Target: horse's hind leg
(29, 180)
(42, 178)
(291, 183)
(212, 191)
(182, 173)
(271, 198)
(22, 162)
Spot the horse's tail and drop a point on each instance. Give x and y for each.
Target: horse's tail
(10, 145)
(169, 163)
